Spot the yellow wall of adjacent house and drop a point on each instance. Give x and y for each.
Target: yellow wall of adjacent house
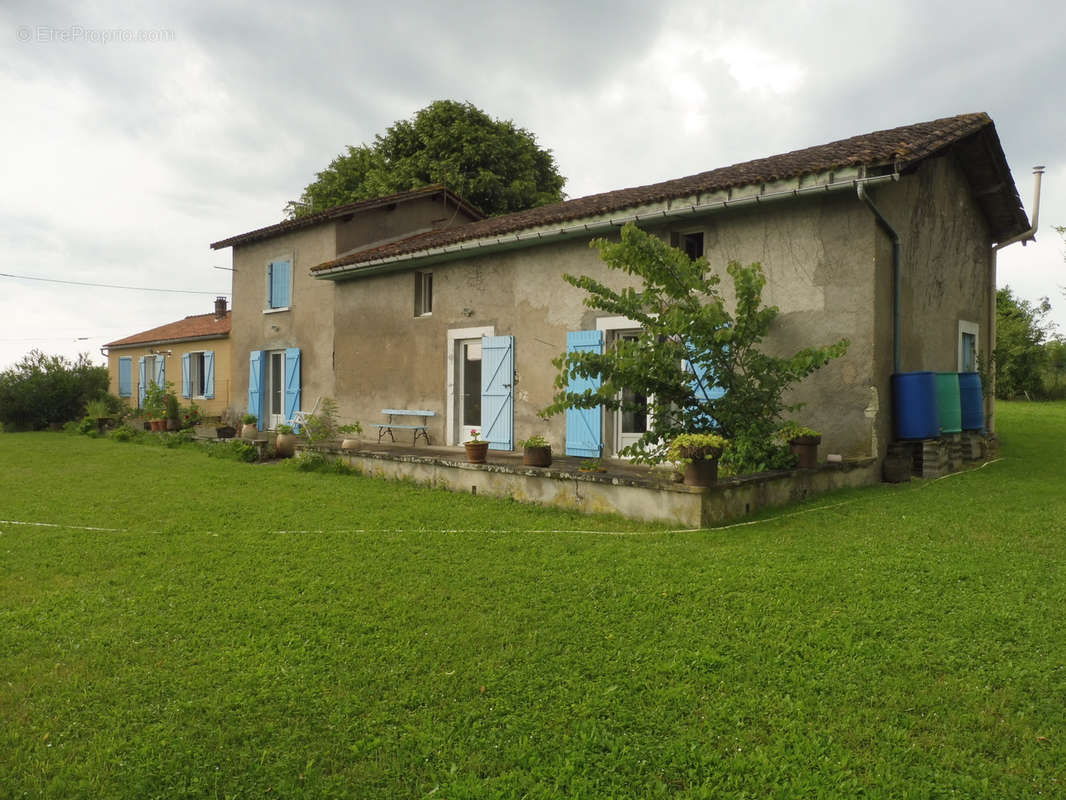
(223, 371)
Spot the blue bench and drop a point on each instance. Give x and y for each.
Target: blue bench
(388, 427)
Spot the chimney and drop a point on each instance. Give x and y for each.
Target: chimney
(220, 307)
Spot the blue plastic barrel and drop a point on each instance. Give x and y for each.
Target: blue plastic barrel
(973, 405)
(914, 406)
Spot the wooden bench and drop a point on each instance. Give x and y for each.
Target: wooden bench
(388, 427)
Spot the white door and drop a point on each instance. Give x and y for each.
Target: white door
(275, 382)
(468, 387)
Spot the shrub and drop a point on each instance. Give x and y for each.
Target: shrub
(43, 390)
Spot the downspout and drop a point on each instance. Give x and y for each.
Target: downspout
(897, 279)
(1024, 238)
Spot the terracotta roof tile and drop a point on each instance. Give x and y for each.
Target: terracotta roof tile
(903, 147)
(201, 326)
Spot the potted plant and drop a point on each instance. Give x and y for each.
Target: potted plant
(476, 449)
(536, 452)
(699, 453)
(154, 406)
(172, 412)
(285, 442)
(351, 440)
(250, 428)
(803, 442)
(99, 411)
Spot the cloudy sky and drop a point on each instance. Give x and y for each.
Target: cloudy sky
(133, 135)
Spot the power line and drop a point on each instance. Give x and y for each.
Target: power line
(109, 285)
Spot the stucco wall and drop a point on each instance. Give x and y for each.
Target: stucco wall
(947, 271)
(392, 222)
(817, 253)
(223, 366)
(307, 324)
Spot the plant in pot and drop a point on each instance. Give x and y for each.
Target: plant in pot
(173, 420)
(699, 454)
(351, 440)
(476, 448)
(803, 442)
(536, 452)
(154, 406)
(250, 427)
(99, 412)
(285, 442)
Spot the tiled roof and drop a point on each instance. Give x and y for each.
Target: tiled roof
(338, 212)
(201, 326)
(902, 147)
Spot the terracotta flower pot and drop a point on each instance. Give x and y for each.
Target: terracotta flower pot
(805, 449)
(158, 425)
(476, 451)
(537, 456)
(701, 472)
(249, 431)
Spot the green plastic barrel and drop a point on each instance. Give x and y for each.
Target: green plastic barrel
(949, 402)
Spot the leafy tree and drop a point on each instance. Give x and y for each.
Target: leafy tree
(41, 390)
(688, 341)
(1019, 355)
(491, 163)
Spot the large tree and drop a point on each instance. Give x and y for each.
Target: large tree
(699, 365)
(491, 163)
(1021, 328)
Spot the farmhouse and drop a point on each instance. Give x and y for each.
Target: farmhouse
(416, 301)
(192, 353)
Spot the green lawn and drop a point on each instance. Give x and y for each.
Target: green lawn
(253, 631)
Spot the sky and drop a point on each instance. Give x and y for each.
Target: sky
(132, 135)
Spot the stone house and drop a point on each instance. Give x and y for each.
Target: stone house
(193, 354)
(417, 302)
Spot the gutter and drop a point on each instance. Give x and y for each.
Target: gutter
(531, 238)
(897, 280)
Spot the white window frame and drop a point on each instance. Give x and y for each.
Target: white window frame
(609, 326)
(291, 258)
(423, 278)
(454, 336)
(973, 328)
(193, 394)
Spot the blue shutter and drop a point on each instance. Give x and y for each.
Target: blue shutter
(497, 391)
(142, 382)
(584, 426)
(704, 388)
(125, 376)
(161, 371)
(279, 283)
(292, 381)
(209, 374)
(186, 379)
(255, 385)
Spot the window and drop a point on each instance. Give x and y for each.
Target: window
(279, 283)
(423, 294)
(198, 374)
(968, 333)
(691, 243)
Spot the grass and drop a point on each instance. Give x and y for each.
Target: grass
(253, 631)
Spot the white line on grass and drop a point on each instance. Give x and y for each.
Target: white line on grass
(64, 527)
